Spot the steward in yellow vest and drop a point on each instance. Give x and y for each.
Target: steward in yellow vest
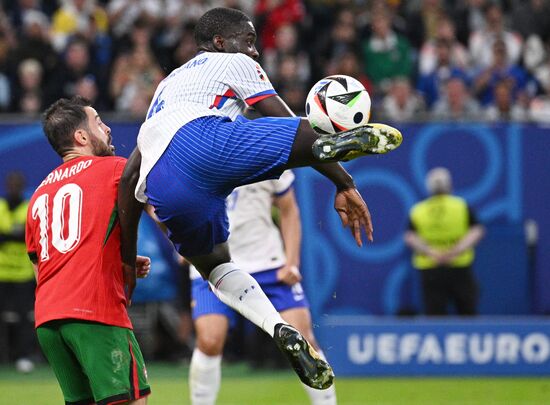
(443, 231)
(15, 266)
(441, 221)
(17, 282)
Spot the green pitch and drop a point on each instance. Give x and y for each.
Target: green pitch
(242, 386)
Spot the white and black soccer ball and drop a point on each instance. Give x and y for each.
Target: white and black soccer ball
(337, 103)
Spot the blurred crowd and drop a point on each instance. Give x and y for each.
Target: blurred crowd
(419, 59)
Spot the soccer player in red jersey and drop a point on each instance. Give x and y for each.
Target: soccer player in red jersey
(73, 239)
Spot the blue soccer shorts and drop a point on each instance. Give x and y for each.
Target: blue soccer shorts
(283, 296)
(207, 158)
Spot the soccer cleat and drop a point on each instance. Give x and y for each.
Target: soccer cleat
(371, 139)
(310, 367)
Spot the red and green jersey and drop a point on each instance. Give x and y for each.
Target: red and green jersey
(73, 234)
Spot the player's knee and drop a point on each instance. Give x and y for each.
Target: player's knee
(206, 263)
(210, 345)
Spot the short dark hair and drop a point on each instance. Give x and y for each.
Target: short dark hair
(61, 119)
(218, 21)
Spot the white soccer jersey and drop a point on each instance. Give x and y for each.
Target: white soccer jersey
(255, 242)
(211, 83)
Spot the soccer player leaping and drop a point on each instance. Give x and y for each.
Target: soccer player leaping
(195, 147)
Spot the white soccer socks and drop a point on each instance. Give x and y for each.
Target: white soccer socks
(241, 291)
(205, 375)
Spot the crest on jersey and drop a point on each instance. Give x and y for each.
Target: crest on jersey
(260, 72)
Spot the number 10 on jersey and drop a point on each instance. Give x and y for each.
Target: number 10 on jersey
(64, 220)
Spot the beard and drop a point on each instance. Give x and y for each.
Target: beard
(101, 148)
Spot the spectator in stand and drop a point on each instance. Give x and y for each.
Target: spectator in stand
(100, 48)
(500, 70)
(294, 93)
(431, 85)
(469, 17)
(5, 86)
(503, 107)
(339, 38)
(531, 17)
(178, 14)
(140, 36)
(429, 57)
(286, 45)
(74, 17)
(75, 65)
(534, 53)
(348, 63)
(172, 22)
(423, 25)
(401, 103)
(17, 10)
(482, 41)
(28, 96)
(539, 108)
(456, 103)
(124, 13)
(30, 104)
(34, 43)
(270, 15)
(8, 42)
(343, 34)
(287, 71)
(5, 92)
(386, 54)
(134, 80)
(540, 66)
(87, 87)
(185, 50)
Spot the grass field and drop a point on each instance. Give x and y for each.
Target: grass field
(242, 386)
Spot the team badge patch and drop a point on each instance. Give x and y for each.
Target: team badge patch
(260, 72)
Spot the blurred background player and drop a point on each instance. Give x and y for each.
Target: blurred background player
(197, 147)
(443, 231)
(73, 239)
(16, 277)
(272, 256)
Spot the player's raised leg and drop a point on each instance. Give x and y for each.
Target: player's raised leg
(241, 291)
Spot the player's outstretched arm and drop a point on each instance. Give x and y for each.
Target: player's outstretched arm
(129, 211)
(349, 204)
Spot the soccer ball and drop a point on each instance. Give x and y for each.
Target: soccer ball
(337, 103)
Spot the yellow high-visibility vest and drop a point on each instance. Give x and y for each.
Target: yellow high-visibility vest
(15, 265)
(441, 221)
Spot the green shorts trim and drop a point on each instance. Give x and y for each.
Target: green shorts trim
(93, 362)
